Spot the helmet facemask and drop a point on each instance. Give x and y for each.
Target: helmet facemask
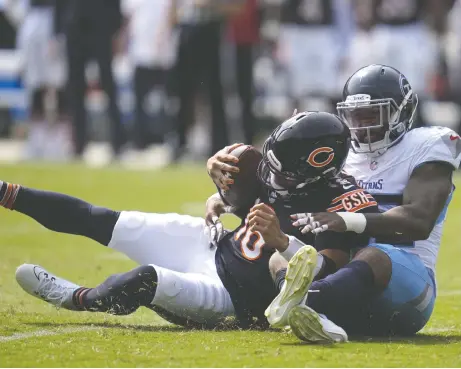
(377, 124)
(283, 183)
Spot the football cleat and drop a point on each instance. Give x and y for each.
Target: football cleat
(312, 327)
(298, 279)
(38, 282)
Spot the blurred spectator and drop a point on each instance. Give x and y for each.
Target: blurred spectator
(8, 22)
(314, 39)
(405, 40)
(363, 49)
(198, 61)
(152, 48)
(90, 27)
(7, 26)
(244, 34)
(44, 76)
(438, 21)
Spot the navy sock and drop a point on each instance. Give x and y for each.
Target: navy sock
(120, 294)
(63, 213)
(344, 292)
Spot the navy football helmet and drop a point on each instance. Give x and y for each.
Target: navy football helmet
(302, 150)
(379, 106)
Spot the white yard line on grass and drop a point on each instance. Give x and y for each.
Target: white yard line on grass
(44, 333)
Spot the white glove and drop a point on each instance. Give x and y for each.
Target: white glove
(215, 230)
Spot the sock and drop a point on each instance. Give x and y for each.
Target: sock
(280, 278)
(324, 267)
(8, 194)
(344, 292)
(327, 267)
(319, 266)
(63, 213)
(120, 294)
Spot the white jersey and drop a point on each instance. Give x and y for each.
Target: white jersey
(152, 40)
(386, 176)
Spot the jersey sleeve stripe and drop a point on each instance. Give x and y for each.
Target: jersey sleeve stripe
(335, 208)
(347, 194)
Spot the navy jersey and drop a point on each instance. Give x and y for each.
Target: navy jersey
(307, 12)
(399, 12)
(243, 262)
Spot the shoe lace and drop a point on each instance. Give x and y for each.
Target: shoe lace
(51, 291)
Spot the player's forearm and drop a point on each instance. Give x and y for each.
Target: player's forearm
(400, 222)
(216, 204)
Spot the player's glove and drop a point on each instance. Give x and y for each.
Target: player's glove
(214, 227)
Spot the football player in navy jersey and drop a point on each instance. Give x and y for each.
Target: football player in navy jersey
(180, 272)
(302, 160)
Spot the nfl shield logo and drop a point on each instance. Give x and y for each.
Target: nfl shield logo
(374, 165)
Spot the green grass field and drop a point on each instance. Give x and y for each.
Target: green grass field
(34, 334)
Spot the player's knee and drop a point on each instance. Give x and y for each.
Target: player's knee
(379, 262)
(101, 223)
(276, 263)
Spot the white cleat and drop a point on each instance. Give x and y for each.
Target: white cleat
(38, 282)
(298, 279)
(312, 327)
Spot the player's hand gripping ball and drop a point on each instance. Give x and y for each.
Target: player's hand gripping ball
(241, 187)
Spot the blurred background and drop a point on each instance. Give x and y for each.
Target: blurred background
(149, 83)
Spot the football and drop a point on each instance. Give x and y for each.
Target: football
(243, 193)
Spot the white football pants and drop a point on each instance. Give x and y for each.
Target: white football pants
(177, 247)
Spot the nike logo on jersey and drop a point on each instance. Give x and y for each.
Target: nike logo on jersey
(454, 137)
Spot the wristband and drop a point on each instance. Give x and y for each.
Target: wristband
(355, 222)
(293, 246)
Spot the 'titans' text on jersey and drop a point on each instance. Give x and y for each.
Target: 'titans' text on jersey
(386, 176)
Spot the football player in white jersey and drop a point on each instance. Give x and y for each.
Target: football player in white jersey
(409, 172)
(388, 287)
